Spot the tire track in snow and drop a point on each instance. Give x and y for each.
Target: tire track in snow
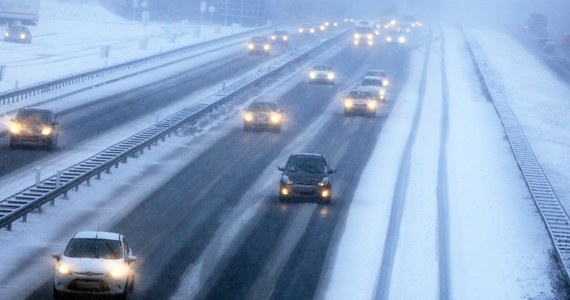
(400, 191)
(442, 187)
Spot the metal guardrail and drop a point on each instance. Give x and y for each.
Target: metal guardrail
(32, 198)
(553, 213)
(45, 87)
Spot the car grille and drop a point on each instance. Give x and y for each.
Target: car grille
(88, 285)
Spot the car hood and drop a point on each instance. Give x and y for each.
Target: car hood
(90, 265)
(309, 178)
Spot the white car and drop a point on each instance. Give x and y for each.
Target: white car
(322, 74)
(96, 263)
(361, 102)
(375, 83)
(380, 73)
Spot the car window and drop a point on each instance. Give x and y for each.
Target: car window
(322, 68)
(93, 248)
(306, 164)
(372, 82)
(263, 106)
(34, 116)
(360, 94)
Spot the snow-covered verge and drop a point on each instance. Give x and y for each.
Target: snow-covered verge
(499, 248)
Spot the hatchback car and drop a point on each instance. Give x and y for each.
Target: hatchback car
(263, 115)
(322, 74)
(259, 45)
(18, 34)
(33, 127)
(95, 263)
(361, 102)
(306, 175)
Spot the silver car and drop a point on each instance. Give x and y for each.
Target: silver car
(96, 263)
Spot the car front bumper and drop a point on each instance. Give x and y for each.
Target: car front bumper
(304, 191)
(89, 284)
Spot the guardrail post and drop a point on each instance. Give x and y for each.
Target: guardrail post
(156, 118)
(224, 85)
(98, 177)
(9, 226)
(24, 218)
(58, 178)
(16, 84)
(38, 176)
(88, 181)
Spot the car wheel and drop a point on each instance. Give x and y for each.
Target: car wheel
(49, 146)
(132, 285)
(57, 295)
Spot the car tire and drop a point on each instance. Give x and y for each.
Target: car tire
(57, 295)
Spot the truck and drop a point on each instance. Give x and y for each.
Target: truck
(25, 12)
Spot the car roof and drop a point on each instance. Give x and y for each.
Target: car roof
(36, 109)
(97, 235)
(373, 78)
(307, 154)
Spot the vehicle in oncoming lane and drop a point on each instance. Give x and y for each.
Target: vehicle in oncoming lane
(306, 175)
(258, 45)
(362, 102)
(95, 263)
(18, 34)
(263, 114)
(280, 37)
(33, 127)
(322, 74)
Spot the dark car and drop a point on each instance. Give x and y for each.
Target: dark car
(34, 127)
(263, 115)
(18, 34)
(259, 44)
(280, 37)
(306, 175)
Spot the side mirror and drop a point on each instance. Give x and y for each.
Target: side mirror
(281, 169)
(57, 256)
(131, 259)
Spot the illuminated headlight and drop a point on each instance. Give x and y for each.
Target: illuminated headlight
(386, 26)
(22, 36)
(301, 30)
(15, 128)
(46, 131)
(284, 192)
(348, 103)
(119, 272)
(63, 269)
(327, 24)
(322, 28)
(382, 92)
(250, 46)
(401, 40)
(371, 105)
(248, 117)
(369, 36)
(285, 38)
(407, 29)
(266, 47)
(356, 42)
(385, 82)
(275, 118)
(6, 34)
(335, 24)
(273, 37)
(370, 42)
(330, 76)
(312, 30)
(389, 39)
(356, 36)
(313, 75)
(376, 32)
(285, 180)
(325, 193)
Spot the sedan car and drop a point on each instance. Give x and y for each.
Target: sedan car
(379, 73)
(263, 115)
(308, 29)
(396, 37)
(306, 175)
(322, 74)
(18, 34)
(280, 37)
(258, 44)
(376, 83)
(361, 102)
(95, 263)
(33, 127)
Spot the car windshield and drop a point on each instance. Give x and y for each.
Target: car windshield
(363, 30)
(93, 248)
(371, 82)
(375, 73)
(34, 116)
(279, 32)
(322, 68)
(360, 94)
(258, 39)
(306, 164)
(263, 106)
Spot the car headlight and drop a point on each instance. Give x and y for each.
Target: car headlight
(266, 47)
(63, 269)
(348, 103)
(369, 36)
(385, 82)
(15, 128)
(382, 92)
(370, 42)
(285, 38)
(313, 75)
(273, 37)
(335, 24)
(312, 30)
(301, 30)
(285, 180)
(119, 271)
(356, 42)
(248, 117)
(250, 46)
(6, 34)
(389, 39)
(371, 104)
(46, 131)
(401, 40)
(324, 182)
(322, 28)
(330, 76)
(22, 36)
(356, 36)
(275, 118)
